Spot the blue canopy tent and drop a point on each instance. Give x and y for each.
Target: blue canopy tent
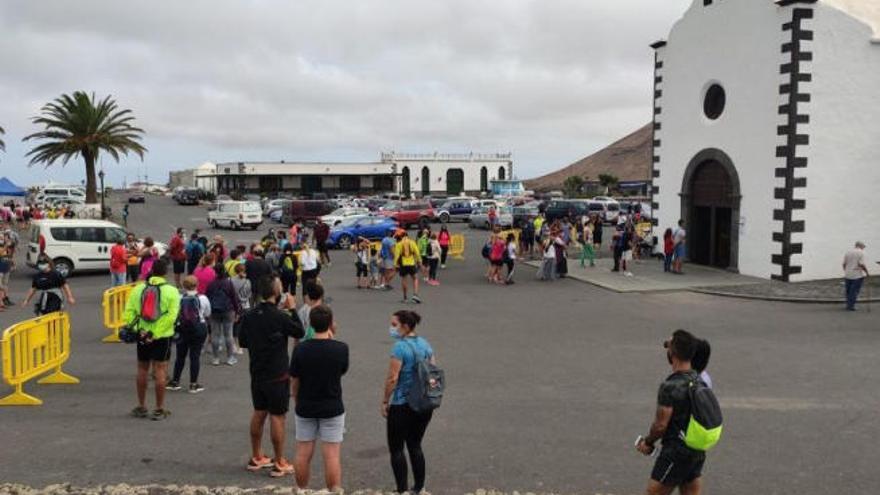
(7, 188)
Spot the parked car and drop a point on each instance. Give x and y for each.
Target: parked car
(277, 215)
(523, 215)
(308, 211)
(341, 214)
(236, 214)
(60, 192)
(137, 197)
(188, 197)
(274, 204)
(558, 209)
(370, 227)
(455, 210)
(76, 244)
(479, 218)
(407, 213)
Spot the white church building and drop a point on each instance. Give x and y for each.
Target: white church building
(767, 134)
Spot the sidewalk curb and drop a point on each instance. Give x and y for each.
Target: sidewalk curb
(797, 300)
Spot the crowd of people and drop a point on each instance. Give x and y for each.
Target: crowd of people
(244, 299)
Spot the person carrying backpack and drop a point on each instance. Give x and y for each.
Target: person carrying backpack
(194, 252)
(224, 308)
(688, 421)
(287, 267)
(151, 310)
(413, 388)
(192, 329)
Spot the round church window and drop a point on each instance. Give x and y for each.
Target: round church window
(714, 101)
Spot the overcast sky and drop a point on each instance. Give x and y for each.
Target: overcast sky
(335, 80)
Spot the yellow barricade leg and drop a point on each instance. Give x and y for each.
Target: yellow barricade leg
(112, 338)
(58, 377)
(19, 398)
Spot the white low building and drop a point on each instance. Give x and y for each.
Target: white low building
(766, 127)
(406, 174)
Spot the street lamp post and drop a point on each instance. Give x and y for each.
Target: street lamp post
(103, 211)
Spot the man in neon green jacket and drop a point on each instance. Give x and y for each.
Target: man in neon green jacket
(154, 346)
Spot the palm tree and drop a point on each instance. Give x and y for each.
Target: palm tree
(80, 125)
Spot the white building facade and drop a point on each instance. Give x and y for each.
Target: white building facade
(415, 175)
(440, 174)
(766, 127)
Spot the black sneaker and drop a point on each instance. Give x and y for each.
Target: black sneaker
(140, 412)
(195, 388)
(416, 300)
(173, 385)
(8, 301)
(160, 414)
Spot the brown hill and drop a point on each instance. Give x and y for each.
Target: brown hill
(629, 159)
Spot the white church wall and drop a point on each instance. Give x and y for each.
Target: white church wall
(710, 44)
(843, 172)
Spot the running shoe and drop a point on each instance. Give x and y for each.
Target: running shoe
(443, 266)
(404, 301)
(416, 300)
(231, 361)
(255, 464)
(628, 274)
(140, 412)
(215, 362)
(281, 469)
(160, 414)
(195, 388)
(173, 385)
(239, 351)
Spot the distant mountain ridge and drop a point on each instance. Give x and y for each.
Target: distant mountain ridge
(629, 159)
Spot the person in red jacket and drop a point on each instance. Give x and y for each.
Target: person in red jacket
(118, 263)
(177, 253)
(444, 239)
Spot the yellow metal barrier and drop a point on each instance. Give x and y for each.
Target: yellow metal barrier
(456, 246)
(32, 348)
(114, 306)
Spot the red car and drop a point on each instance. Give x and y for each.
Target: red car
(406, 213)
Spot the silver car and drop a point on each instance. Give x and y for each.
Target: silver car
(479, 218)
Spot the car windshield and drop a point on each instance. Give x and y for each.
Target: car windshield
(251, 208)
(391, 205)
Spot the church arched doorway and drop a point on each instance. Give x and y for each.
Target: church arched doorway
(710, 207)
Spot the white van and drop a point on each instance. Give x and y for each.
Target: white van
(75, 245)
(236, 214)
(60, 192)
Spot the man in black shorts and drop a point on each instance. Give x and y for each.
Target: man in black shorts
(322, 233)
(154, 344)
(264, 333)
(677, 465)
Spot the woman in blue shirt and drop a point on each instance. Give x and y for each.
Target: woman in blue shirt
(405, 426)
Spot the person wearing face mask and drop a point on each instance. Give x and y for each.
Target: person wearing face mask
(52, 288)
(404, 425)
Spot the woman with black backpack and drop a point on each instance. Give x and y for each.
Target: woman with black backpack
(224, 306)
(52, 288)
(192, 329)
(405, 426)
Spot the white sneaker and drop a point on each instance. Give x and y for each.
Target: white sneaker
(628, 274)
(215, 362)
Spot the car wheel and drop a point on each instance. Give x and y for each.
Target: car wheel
(444, 217)
(254, 226)
(344, 241)
(233, 225)
(213, 224)
(63, 266)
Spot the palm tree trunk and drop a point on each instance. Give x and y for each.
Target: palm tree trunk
(91, 187)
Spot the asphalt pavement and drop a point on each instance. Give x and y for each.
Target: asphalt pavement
(548, 386)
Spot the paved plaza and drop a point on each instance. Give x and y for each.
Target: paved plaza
(549, 383)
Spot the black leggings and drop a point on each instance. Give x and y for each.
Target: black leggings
(406, 426)
(288, 283)
(308, 276)
(444, 250)
(191, 346)
(432, 268)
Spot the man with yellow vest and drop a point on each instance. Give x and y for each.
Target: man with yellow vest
(152, 310)
(407, 260)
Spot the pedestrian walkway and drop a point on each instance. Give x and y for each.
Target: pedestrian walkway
(648, 276)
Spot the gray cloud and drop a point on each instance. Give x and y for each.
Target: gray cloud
(549, 80)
